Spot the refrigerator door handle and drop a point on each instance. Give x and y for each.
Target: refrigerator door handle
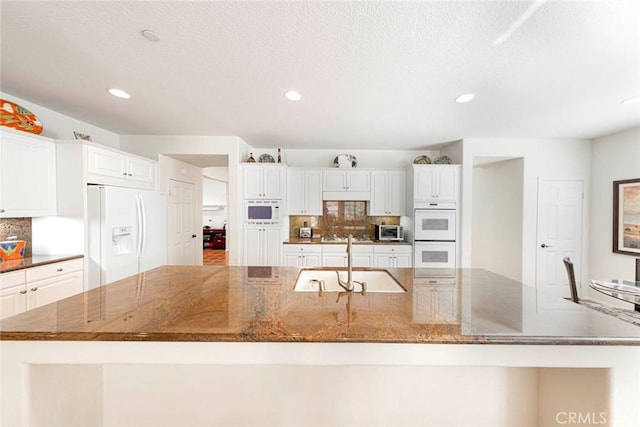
(139, 217)
(143, 220)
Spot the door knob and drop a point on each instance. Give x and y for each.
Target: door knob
(544, 245)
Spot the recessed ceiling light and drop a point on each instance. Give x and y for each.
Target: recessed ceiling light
(633, 100)
(150, 35)
(119, 93)
(465, 98)
(292, 95)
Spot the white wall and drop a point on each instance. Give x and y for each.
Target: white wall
(543, 158)
(58, 126)
(214, 194)
(237, 150)
(366, 158)
(615, 157)
(497, 218)
(218, 173)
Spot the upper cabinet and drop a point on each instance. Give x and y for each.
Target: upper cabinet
(436, 183)
(388, 193)
(304, 191)
(106, 166)
(341, 184)
(27, 175)
(263, 181)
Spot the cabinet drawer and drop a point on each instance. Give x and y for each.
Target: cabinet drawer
(394, 249)
(53, 270)
(13, 278)
(434, 281)
(308, 249)
(357, 249)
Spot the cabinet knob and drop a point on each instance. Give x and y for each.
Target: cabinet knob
(194, 236)
(34, 289)
(128, 174)
(124, 173)
(59, 270)
(23, 292)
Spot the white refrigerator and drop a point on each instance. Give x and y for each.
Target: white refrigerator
(127, 232)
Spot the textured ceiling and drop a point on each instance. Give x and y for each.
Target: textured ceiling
(371, 74)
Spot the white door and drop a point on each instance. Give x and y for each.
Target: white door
(559, 235)
(182, 232)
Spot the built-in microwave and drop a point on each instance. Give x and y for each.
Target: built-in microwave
(389, 232)
(262, 211)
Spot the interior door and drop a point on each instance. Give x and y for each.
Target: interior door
(559, 235)
(182, 232)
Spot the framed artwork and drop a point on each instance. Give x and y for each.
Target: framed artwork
(626, 217)
(82, 136)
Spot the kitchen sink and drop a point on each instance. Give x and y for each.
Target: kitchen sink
(309, 280)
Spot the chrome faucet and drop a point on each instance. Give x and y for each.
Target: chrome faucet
(348, 285)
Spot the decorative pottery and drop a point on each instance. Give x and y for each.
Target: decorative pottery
(443, 160)
(12, 249)
(345, 161)
(14, 116)
(266, 158)
(422, 160)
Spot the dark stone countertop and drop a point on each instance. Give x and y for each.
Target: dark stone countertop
(34, 261)
(258, 304)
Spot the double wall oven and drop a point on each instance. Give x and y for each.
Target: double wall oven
(435, 236)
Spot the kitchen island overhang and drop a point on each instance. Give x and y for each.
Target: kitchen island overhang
(233, 319)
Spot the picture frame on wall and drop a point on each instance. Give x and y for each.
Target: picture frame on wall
(626, 217)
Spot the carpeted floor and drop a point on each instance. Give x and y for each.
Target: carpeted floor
(629, 316)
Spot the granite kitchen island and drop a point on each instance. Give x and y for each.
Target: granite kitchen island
(245, 318)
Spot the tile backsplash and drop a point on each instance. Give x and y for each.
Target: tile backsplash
(341, 218)
(20, 227)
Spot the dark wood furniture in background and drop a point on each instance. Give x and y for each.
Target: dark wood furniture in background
(214, 238)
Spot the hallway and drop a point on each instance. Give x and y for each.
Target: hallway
(215, 257)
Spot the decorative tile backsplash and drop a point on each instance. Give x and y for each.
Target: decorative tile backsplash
(341, 218)
(20, 227)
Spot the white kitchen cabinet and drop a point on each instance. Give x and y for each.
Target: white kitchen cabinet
(36, 286)
(346, 180)
(436, 183)
(435, 303)
(262, 245)
(336, 255)
(27, 175)
(302, 255)
(263, 182)
(392, 256)
(113, 167)
(388, 193)
(304, 191)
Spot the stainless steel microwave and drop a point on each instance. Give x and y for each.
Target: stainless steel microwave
(389, 232)
(262, 211)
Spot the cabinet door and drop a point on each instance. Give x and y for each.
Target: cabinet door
(334, 260)
(296, 192)
(106, 163)
(27, 177)
(445, 302)
(403, 260)
(311, 260)
(13, 301)
(396, 193)
(313, 192)
(424, 183)
(292, 260)
(252, 182)
(51, 290)
(273, 180)
(383, 261)
(252, 246)
(361, 260)
(378, 206)
(141, 170)
(424, 310)
(447, 183)
(271, 246)
(359, 180)
(334, 180)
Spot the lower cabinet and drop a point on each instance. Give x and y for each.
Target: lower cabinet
(34, 287)
(435, 303)
(302, 255)
(336, 256)
(262, 245)
(392, 256)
